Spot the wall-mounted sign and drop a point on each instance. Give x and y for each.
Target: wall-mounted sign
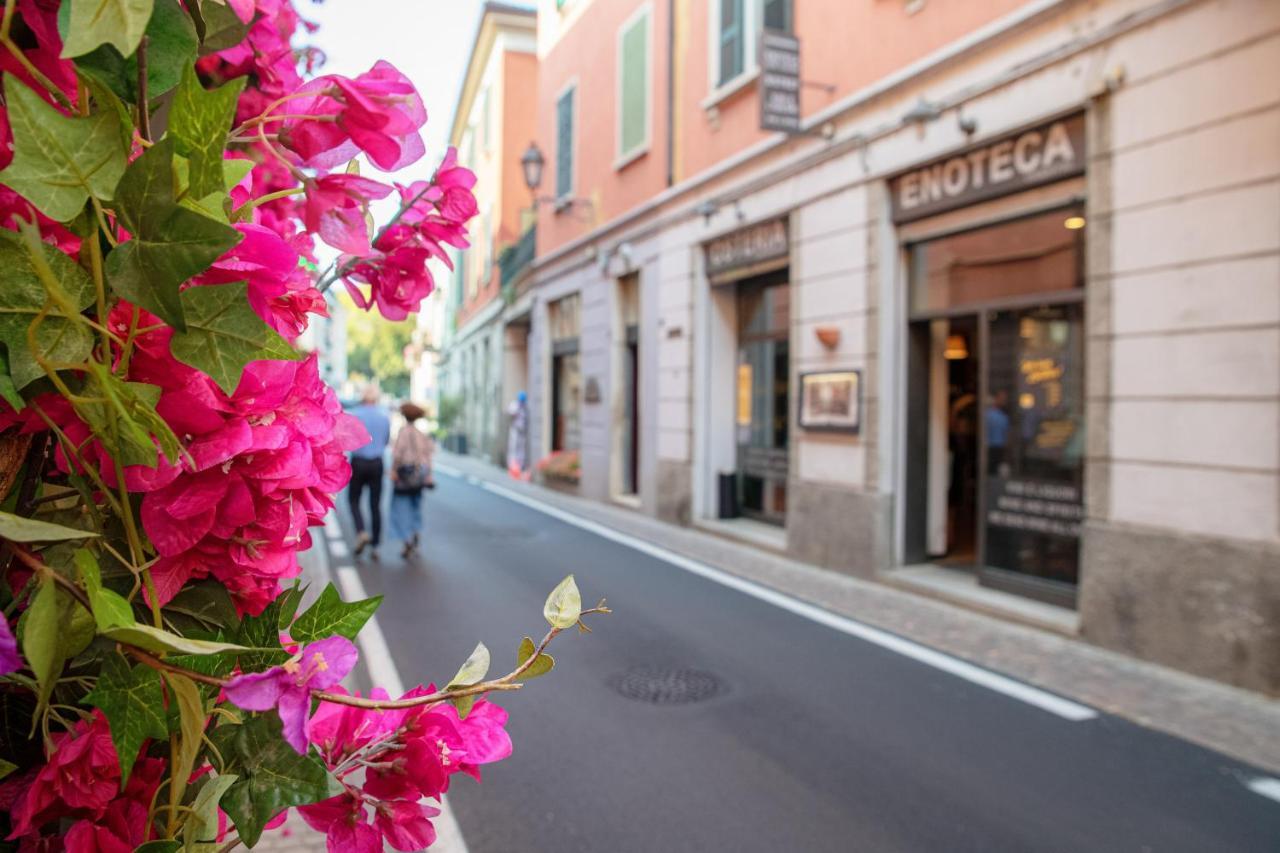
(831, 401)
(1037, 156)
(592, 393)
(1036, 506)
(779, 81)
(759, 248)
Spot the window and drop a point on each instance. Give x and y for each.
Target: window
(778, 15)
(733, 46)
(633, 86)
(564, 143)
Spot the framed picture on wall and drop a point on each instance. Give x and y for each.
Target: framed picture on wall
(831, 401)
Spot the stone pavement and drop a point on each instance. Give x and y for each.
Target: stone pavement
(1238, 723)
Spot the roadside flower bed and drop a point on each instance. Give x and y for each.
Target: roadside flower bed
(563, 466)
(168, 169)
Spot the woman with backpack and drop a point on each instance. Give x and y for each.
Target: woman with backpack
(410, 474)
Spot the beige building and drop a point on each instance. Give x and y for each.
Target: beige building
(1002, 324)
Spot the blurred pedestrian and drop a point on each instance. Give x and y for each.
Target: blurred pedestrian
(410, 474)
(518, 436)
(366, 469)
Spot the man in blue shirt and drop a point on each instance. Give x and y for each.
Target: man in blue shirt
(366, 469)
(997, 424)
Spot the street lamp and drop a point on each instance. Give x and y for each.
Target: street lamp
(532, 163)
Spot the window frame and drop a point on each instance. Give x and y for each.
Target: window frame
(642, 15)
(753, 21)
(569, 89)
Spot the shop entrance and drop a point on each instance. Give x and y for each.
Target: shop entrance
(996, 403)
(763, 405)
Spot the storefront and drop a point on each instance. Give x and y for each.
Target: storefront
(748, 273)
(564, 317)
(994, 245)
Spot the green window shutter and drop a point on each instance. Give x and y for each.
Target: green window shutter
(634, 98)
(564, 144)
(778, 15)
(732, 45)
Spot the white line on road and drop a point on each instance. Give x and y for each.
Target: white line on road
(447, 470)
(339, 548)
(1042, 699)
(332, 528)
(1266, 786)
(382, 672)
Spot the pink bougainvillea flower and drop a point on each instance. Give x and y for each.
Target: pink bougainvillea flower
(10, 660)
(82, 776)
(406, 825)
(337, 207)
(288, 688)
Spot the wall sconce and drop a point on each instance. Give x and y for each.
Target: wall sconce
(828, 336)
(957, 348)
(532, 163)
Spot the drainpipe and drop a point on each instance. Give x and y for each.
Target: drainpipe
(671, 92)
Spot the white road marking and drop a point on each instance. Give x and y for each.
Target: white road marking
(332, 528)
(1041, 699)
(1266, 786)
(475, 481)
(339, 548)
(447, 470)
(382, 672)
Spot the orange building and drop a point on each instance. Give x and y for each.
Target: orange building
(991, 311)
(493, 121)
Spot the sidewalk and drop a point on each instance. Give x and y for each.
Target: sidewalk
(1235, 722)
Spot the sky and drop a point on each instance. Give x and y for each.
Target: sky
(428, 40)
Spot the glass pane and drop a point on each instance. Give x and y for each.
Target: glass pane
(1034, 429)
(731, 46)
(634, 106)
(564, 144)
(777, 15)
(1035, 254)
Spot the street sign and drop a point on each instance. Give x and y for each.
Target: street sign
(779, 81)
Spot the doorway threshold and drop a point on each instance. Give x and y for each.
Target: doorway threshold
(747, 531)
(958, 586)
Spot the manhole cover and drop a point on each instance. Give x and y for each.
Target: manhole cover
(663, 686)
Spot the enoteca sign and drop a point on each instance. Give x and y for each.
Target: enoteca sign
(1050, 152)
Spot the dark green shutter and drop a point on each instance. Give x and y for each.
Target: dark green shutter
(634, 101)
(564, 144)
(777, 15)
(732, 47)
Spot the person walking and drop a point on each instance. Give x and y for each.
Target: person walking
(410, 474)
(366, 469)
(518, 436)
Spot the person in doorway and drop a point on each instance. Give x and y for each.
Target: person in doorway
(997, 425)
(518, 437)
(410, 474)
(366, 469)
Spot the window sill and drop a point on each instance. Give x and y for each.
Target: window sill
(727, 90)
(626, 160)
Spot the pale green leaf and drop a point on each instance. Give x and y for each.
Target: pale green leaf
(15, 528)
(133, 702)
(544, 664)
(8, 390)
(474, 669)
(192, 718)
(170, 243)
(199, 121)
(224, 334)
(42, 645)
(271, 775)
(58, 162)
(110, 609)
(6, 767)
(564, 604)
(171, 46)
(200, 832)
(330, 615)
(158, 640)
(116, 22)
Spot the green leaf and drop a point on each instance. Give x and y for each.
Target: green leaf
(123, 415)
(564, 605)
(330, 615)
(192, 719)
(224, 334)
(199, 120)
(166, 845)
(170, 243)
(261, 632)
(158, 640)
(61, 335)
(58, 162)
(473, 670)
(234, 171)
(42, 644)
(271, 777)
(544, 664)
(171, 45)
(223, 28)
(9, 391)
(200, 832)
(15, 528)
(6, 767)
(110, 609)
(207, 602)
(117, 22)
(133, 700)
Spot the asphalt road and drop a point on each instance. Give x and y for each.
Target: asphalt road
(816, 740)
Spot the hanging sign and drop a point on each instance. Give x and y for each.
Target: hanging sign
(779, 81)
(1033, 157)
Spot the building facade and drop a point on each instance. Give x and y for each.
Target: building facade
(493, 121)
(999, 322)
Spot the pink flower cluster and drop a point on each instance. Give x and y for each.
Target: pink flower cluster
(82, 782)
(410, 755)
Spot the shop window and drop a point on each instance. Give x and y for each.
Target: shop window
(566, 373)
(564, 142)
(633, 86)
